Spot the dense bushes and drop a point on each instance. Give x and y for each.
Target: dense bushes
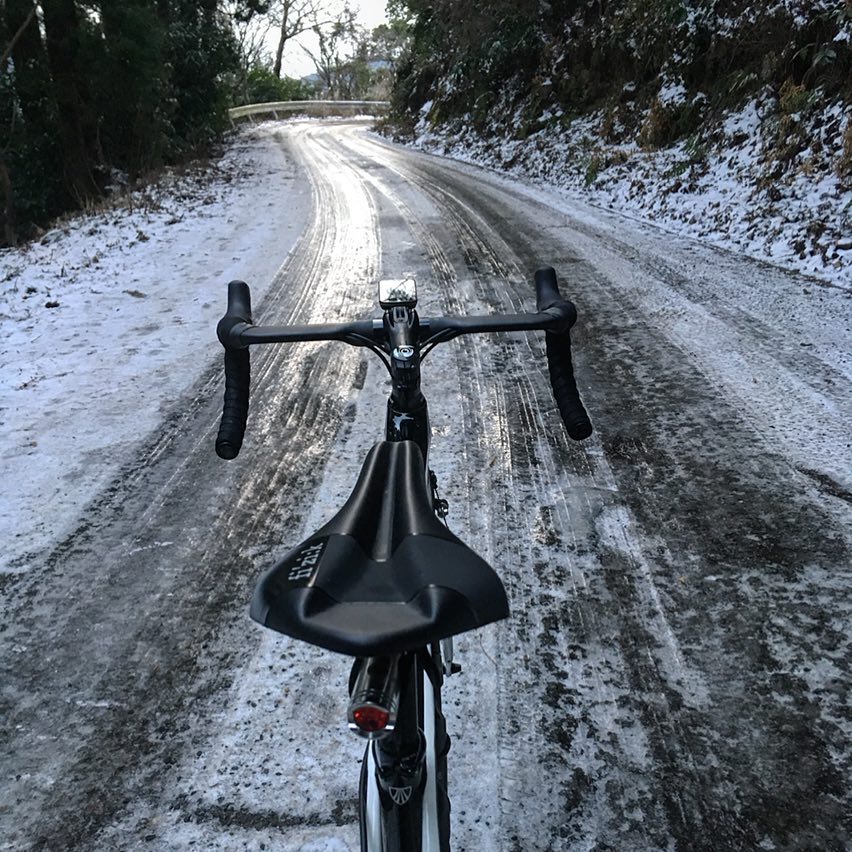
(505, 64)
(262, 86)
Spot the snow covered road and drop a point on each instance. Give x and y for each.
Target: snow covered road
(676, 672)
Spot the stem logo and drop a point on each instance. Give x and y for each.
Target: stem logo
(400, 795)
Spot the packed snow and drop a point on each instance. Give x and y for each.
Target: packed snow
(108, 317)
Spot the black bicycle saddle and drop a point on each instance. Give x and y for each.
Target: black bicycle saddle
(384, 575)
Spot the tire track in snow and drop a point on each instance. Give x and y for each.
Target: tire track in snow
(691, 779)
(532, 738)
(682, 454)
(154, 631)
(677, 661)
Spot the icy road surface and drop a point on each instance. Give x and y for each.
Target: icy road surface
(676, 670)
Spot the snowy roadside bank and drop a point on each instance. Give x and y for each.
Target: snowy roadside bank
(110, 318)
(727, 187)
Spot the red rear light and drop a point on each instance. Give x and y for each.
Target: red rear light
(374, 696)
(370, 718)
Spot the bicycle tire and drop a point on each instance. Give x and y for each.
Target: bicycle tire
(422, 821)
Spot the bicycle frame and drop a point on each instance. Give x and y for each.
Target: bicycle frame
(404, 803)
(403, 789)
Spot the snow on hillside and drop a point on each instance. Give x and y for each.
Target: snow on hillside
(730, 186)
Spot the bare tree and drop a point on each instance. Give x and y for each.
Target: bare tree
(251, 26)
(292, 18)
(330, 59)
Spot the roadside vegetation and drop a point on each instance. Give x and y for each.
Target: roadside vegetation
(95, 94)
(657, 70)
(727, 118)
(99, 96)
(652, 104)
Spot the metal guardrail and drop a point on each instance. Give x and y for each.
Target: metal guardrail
(317, 108)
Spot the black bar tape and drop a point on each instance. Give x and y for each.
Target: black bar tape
(564, 386)
(237, 371)
(238, 314)
(546, 288)
(548, 300)
(235, 410)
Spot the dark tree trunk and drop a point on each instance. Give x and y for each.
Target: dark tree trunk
(31, 154)
(11, 38)
(279, 52)
(282, 41)
(7, 206)
(79, 139)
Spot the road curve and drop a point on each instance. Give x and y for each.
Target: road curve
(676, 670)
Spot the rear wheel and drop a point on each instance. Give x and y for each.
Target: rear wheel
(404, 803)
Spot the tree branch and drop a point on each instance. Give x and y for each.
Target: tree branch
(22, 29)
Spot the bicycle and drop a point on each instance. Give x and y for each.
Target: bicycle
(385, 581)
